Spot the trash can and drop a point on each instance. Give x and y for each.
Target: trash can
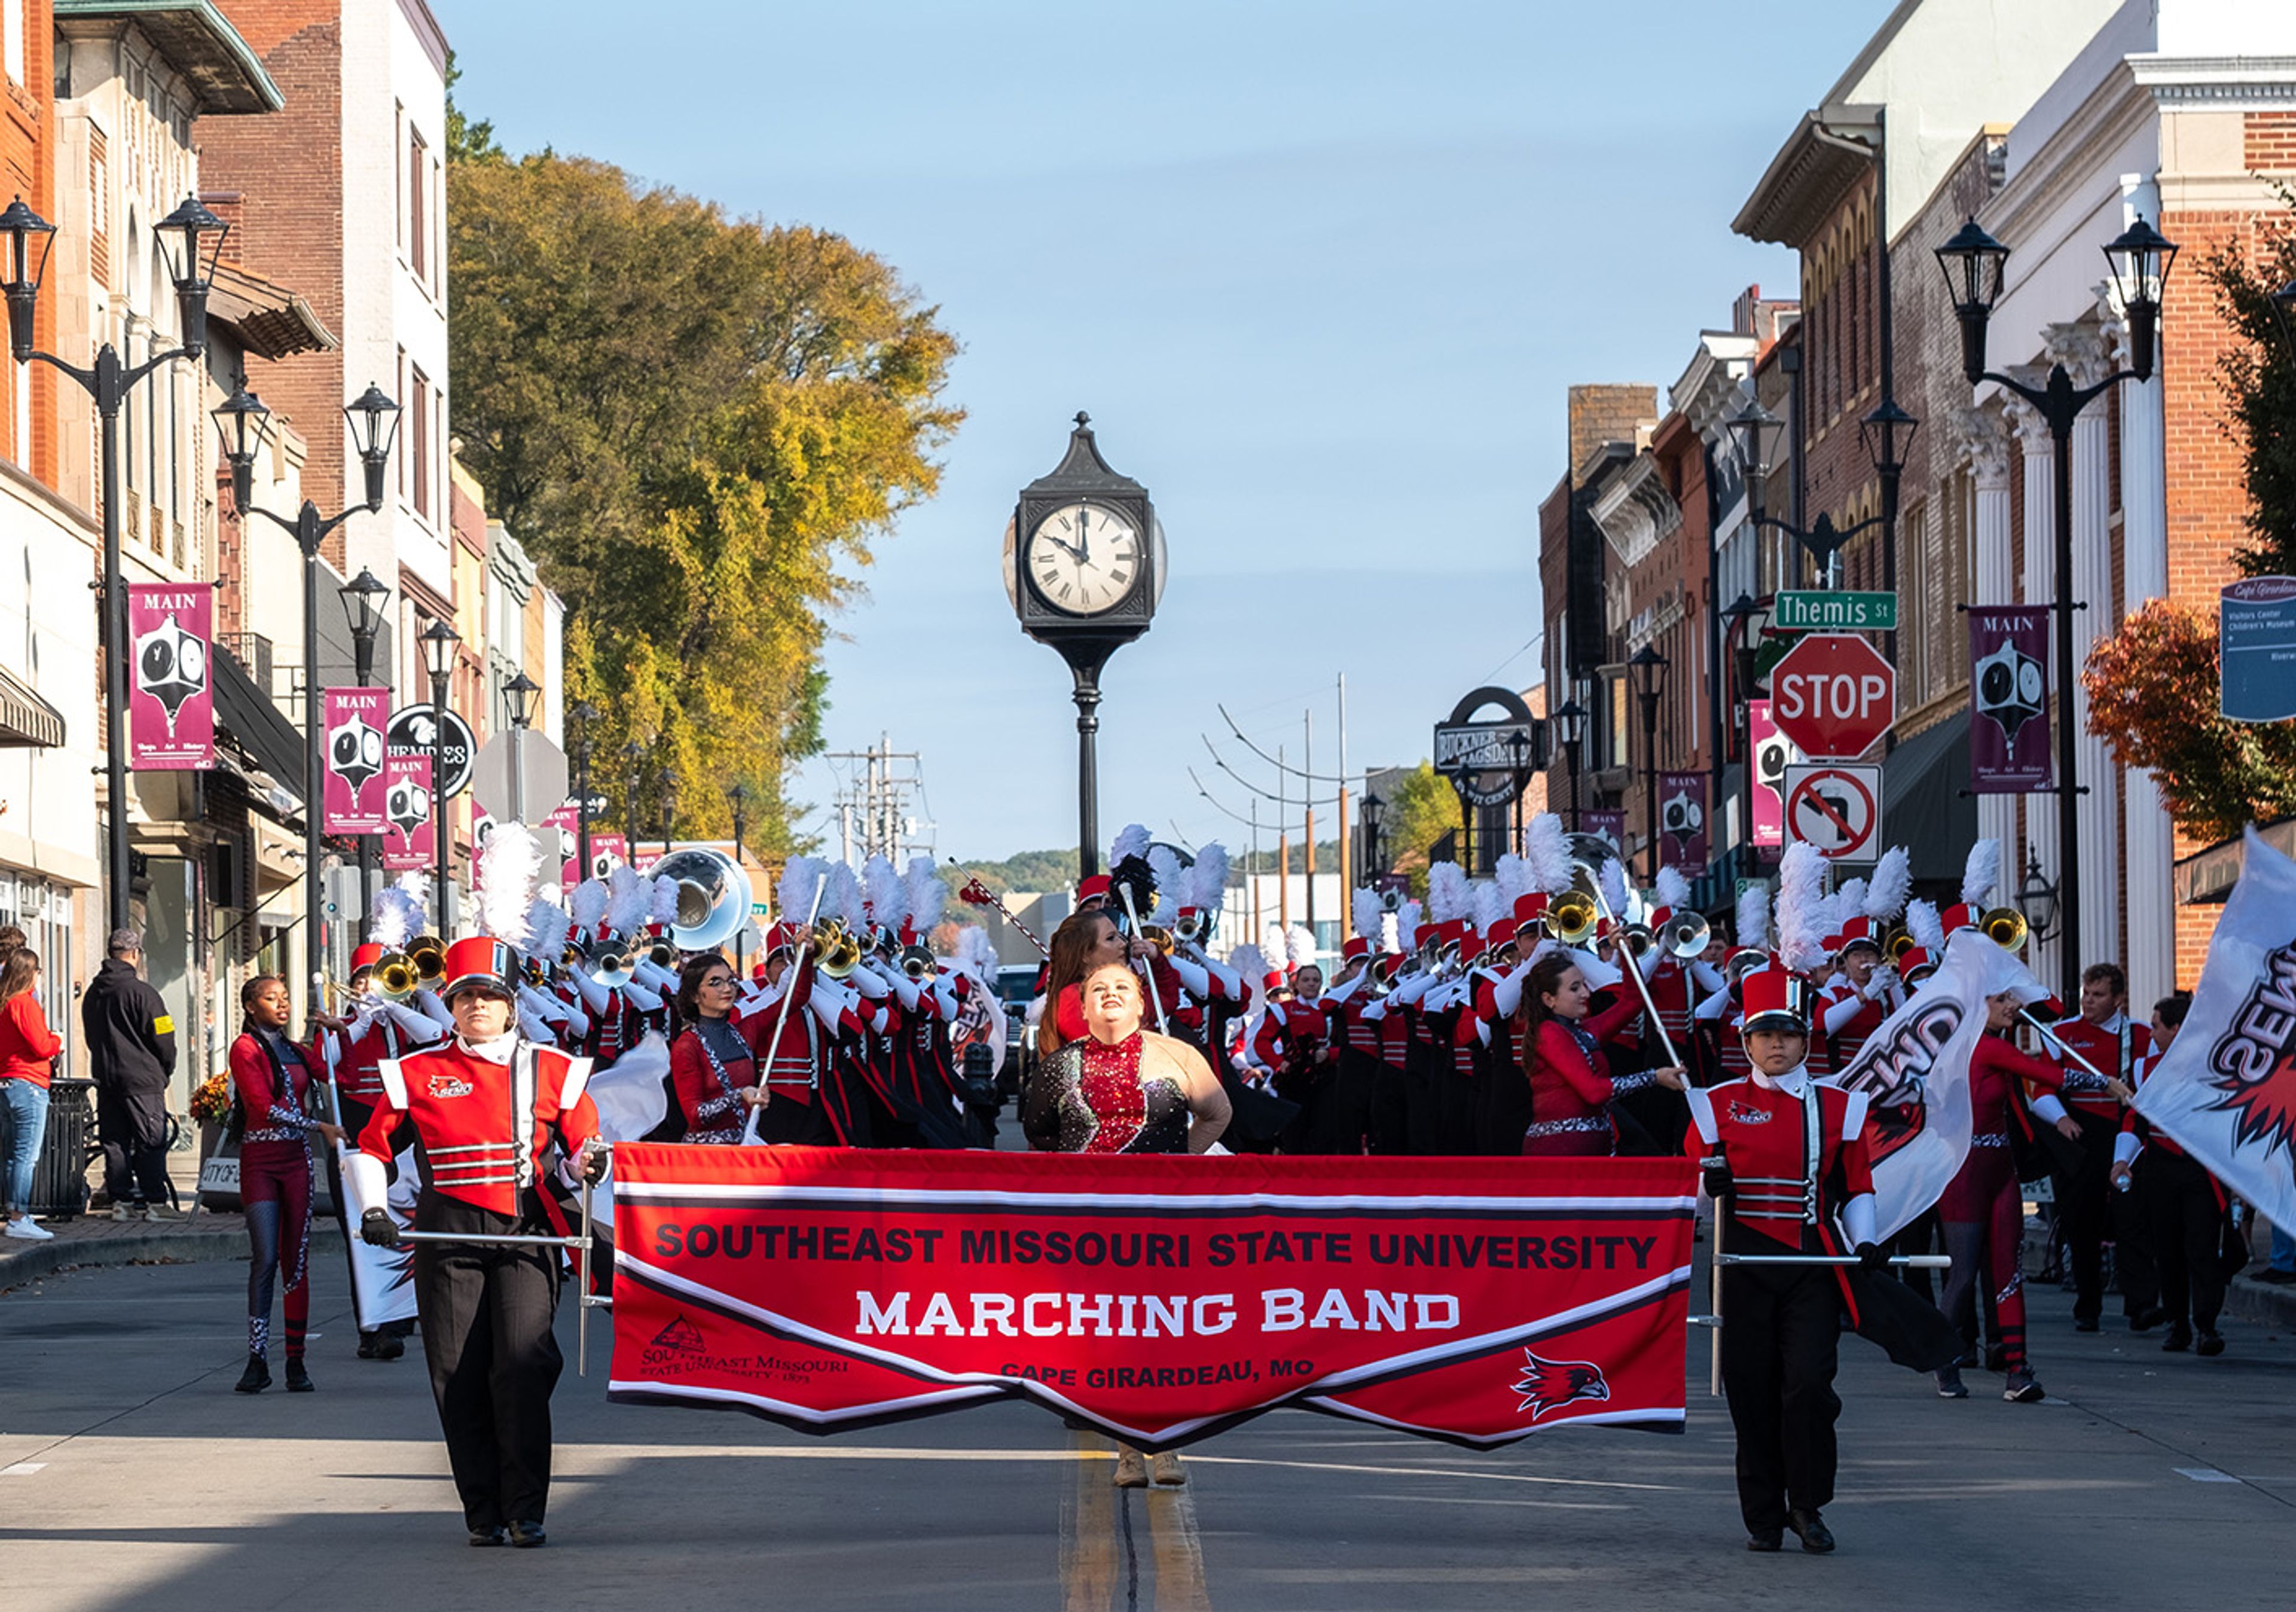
(60, 1173)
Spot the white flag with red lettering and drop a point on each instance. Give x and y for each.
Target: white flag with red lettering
(2226, 1089)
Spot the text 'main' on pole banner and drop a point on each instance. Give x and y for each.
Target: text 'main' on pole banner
(1159, 1299)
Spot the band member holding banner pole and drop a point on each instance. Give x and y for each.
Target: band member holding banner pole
(490, 1109)
(1784, 1158)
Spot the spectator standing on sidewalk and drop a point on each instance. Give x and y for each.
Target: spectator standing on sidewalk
(28, 1048)
(131, 1046)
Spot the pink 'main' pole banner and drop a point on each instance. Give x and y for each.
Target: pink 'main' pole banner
(170, 702)
(354, 785)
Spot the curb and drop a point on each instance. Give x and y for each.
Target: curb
(20, 1264)
(2261, 1301)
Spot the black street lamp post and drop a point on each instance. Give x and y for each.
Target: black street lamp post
(28, 239)
(584, 714)
(439, 641)
(245, 422)
(1570, 729)
(1744, 616)
(362, 598)
(518, 697)
(2140, 259)
(1649, 667)
(667, 781)
(633, 757)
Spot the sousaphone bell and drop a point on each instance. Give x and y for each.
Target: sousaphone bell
(714, 897)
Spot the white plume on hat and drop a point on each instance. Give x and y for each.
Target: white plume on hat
(1271, 943)
(1131, 841)
(1491, 903)
(976, 953)
(507, 871)
(1448, 895)
(1848, 902)
(881, 888)
(1408, 918)
(629, 897)
(1926, 926)
(392, 920)
(1299, 946)
(1753, 920)
(801, 878)
(1512, 873)
(661, 907)
(1390, 933)
(1671, 888)
(1613, 878)
(1204, 885)
(587, 905)
(1164, 867)
(1893, 881)
(1982, 871)
(924, 896)
(842, 898)
(1249, 961)
(546, 929)
(1364, 912)
(1548, 854)
(1801, 919)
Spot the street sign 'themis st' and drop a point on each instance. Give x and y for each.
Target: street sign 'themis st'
(1834, 610)
(1833, 695)
(1836, 810)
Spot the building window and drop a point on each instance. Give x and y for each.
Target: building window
(418, 201)
(398, 174)
(421, 472)
(15, 46)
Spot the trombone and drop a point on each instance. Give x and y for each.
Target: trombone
(1587, 855)
(396, 977)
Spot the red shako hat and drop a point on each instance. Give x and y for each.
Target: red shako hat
(481, 962)
(1775, 998)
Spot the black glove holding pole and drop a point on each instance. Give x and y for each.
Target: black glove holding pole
(1873, 1257)
(1715, 1175)
(375, 1227)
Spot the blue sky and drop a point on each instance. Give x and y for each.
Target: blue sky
(1320, 273)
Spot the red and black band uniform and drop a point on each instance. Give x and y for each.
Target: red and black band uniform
(2085, 1192)
(1571, 1086)
(2185, 1210)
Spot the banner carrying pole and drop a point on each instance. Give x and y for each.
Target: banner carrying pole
(1155, 996)
(781, 1023)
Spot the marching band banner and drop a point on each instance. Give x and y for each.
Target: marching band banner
(1915, 1071)
(2226, 1089)
(170, 701)
(2009, 730)
(409, 841)
(1157, 1299)
(353, 787)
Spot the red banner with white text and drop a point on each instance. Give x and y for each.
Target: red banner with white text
(1157, 1299)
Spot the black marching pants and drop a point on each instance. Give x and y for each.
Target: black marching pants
(2085, 1198)
(1781, 1327)
(485, 1313)
(2187, 1232)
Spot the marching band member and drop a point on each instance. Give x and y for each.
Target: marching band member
(2184, 1204)
(272, 1080)
(808, 1101)
(1571, 1086)
(2098, 1049)
(712, 1066)
(1785, 1162)
(490, 1112)
(1862, 993)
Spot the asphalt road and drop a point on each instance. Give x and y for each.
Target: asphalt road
(131, 1476)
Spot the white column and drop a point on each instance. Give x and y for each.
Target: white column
(1983, 439)
(2034, 586)
(2152, 961)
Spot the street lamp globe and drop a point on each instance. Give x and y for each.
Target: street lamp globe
(440, 643)
(195, 266)
(363, 596)
(520, 691)
(1760, 434)
(2140, 257)
(1972, 262)
(2036, 899)
(30, 238)
(374, 428)
(244, 423)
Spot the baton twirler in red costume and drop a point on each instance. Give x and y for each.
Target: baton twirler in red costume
(490, 1111)
(1786, 1161)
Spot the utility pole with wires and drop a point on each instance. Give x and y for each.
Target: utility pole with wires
(872, 804)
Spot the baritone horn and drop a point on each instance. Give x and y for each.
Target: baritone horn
(840, 951)
(2005, 927)
(428, 954)
(1900, 943)
(1686, 935)
(1572, 917)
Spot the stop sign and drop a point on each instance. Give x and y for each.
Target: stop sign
(1833, 695)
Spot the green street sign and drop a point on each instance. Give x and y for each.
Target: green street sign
(1831, 610)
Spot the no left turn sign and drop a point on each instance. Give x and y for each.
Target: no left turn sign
(1835, 809)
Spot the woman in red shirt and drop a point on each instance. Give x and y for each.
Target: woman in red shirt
(1570, 1081)
(713, 1069)
(26, 1049)
(271, 1082)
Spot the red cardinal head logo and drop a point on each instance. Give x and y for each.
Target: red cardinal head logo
(2254, 1063)
(1549, 1385)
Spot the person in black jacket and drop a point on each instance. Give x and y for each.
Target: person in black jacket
(131, 1043)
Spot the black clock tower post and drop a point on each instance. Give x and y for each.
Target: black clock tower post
(1085, 608)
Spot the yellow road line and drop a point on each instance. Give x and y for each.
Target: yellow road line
(1177, 1551)
(1089, 1544)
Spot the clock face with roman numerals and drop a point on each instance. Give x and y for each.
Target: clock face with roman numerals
(1083, 558)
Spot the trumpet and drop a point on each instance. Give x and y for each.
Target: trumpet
(841, 949)
(1156, 935)
(1189, 928)
(428, 954)
(2004, 927)
(1638, 940)
(396, 977)
(662, 954)
(612, 966)
(918, 963)
(1572, 917)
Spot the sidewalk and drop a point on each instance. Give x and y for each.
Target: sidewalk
(98, 1239)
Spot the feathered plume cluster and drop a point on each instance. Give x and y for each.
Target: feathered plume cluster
(1131, 841)
(881, 888)
(1613, 878)
(1511, 874)
(1364, 912)
(924, 896)
(1547, 854)
(1448, 895)
(397, 912)
(1801, 907)
(800, 880)
(1408, 918)
(1299, 946)
(629, 898)
(1204, 885)
(661, 907)
(1927, 928)
(1249, 961)
(842, 899)
(546, 929)
(1389, 933)
(1491, 903)
(1753, 922)
(507, 871)
(1893, 881)
(587, 905)
(1982, 871)
(1847, 902)
(976, 953)
(1164, 863)
(1672, 889)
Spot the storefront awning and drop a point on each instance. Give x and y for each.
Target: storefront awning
(2206, 877)
(248, 714)
(1923, 804)
(27, 720)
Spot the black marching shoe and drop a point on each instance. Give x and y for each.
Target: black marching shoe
(255, 1379)
(2148, 1318)
(1949, 1385)
(298, 1380)
(527, 1536)
(482, 1538)
(389, 1345)
(1815, 1537)
(2179, 1338)
(1766, 1539)
(2212, 1342)
(2087, 1323)
(2023, 1388)
(367, 1345)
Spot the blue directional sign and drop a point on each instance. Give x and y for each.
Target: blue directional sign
(2256, 639)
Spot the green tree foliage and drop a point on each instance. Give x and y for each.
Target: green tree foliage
(1031, 871)
(1416, 814)
(699, 426)
(2257, 378)
(466, 142)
